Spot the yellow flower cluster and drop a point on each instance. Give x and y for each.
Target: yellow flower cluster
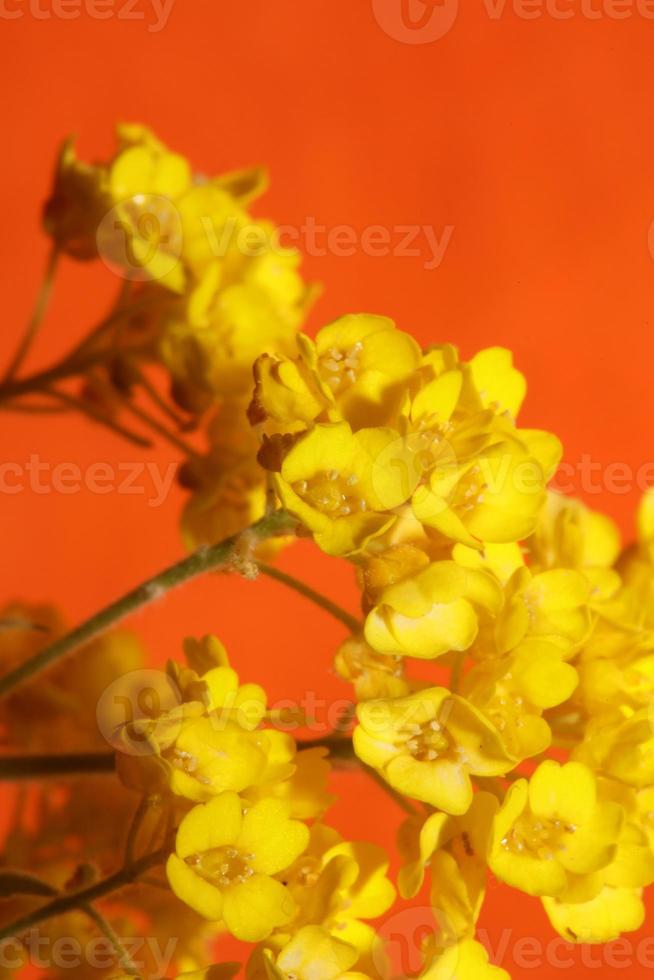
(207, 288)
(411, 465)
(251, 851)
(503, 664)
(69, 830)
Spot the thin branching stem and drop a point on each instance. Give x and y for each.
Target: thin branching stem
(36, 319)
(208, 559)
(305, 590)
(81, 899)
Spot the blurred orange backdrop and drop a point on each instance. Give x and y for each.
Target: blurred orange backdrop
(529, 138)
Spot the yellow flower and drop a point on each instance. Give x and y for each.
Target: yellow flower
(433, 611)
(227, 485)
(361, 362)
(552, 606)
(337, 884)
(465, 961)
(373, 675)
(514, 691)
(621, 747)
(493, 496)
(570, 535)
(616, 670)
(304, 790)
(331, 480)
(553, 828)
(311, 954)
(217, 687)
(601, 919)
(226, 860)
(197, 757)
(145, 212)
(210, 339)
(500, 385)
(427, 745)
(455, 850)
(285, 392)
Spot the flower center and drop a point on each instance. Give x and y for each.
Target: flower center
(471, 488)
(222, 866)
(427, 742)
(340, 369)
(332, 493)
(536, 837)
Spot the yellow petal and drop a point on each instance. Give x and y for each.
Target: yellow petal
(209, 825)
(273, 840)
(197, 893)
(256, 906)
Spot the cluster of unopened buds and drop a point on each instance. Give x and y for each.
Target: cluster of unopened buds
(521, 748)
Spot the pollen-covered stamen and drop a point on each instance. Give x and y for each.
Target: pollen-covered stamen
(472, 489)
(536, 837)
(340, 369)
(428, 742)
(506, 710)
(332, 493)
(184, 760)
(222, 866)
(430, 447)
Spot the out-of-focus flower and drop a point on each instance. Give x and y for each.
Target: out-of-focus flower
(465, 961)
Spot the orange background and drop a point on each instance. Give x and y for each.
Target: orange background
(531, 137)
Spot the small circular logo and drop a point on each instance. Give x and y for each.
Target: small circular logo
(134, 710)
(141, 237)
(416, 21)
(406, 939)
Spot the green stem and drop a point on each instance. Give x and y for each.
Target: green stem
(17, 767)
(161, 429)
(105, 927)
(37, 316)
(305, 590)
(204, 560)
(80, 900)
(134, 828)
